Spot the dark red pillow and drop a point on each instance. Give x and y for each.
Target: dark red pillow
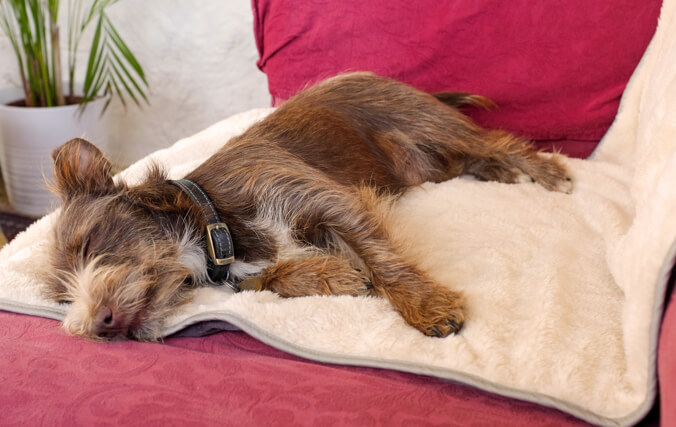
(556, 69)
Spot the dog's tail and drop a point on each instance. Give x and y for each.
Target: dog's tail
(460, 99)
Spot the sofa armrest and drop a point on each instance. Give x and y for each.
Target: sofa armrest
(666, 358)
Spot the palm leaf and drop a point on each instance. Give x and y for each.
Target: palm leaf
(8, 24)
(124, 50)
(94, 61)
(121, 80)
(112, 65)
(98, 83)
(121, 66)
(120, 95)
(40, 53)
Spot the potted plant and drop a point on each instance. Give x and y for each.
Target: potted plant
(50, 108)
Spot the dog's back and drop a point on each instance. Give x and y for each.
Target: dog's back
(364, 129)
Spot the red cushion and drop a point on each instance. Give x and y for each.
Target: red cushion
(557, 70)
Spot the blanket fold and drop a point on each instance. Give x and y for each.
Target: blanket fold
(564, 292)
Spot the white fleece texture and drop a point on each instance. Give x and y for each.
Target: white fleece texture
(564, 292)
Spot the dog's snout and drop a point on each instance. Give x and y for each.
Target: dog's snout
(106, 315)
(107, 323)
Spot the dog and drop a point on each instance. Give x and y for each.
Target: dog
(292, 202)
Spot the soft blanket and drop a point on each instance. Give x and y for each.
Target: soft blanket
(564, 291)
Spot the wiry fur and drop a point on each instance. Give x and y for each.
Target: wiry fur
(301, 192)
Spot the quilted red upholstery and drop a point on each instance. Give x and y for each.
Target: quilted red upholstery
(557, 69)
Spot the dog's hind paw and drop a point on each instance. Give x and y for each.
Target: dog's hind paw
(552, 174)
(565, 186)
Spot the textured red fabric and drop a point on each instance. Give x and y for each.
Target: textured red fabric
(49, 378)
(666, 361)
(556, 69)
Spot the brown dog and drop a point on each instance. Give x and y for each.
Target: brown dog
(298, 192)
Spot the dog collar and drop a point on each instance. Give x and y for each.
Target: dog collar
(220, 249)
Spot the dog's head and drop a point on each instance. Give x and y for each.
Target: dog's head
(118, 255)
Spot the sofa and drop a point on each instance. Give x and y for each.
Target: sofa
(557, 72)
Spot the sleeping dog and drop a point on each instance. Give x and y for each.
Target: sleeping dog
(290, 206)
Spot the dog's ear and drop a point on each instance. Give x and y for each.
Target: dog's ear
(81, 168)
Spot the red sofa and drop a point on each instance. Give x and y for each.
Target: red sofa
(557, 72)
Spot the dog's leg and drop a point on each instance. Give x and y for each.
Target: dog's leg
(315, 275)
(426, 305)
(507, 158)
(490, 155)
(510, 159)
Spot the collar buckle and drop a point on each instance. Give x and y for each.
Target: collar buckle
(219, 232)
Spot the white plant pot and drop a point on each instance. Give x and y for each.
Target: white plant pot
(27, 138)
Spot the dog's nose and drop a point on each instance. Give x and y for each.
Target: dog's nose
(107, 323)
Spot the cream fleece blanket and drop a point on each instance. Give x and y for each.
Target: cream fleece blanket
(564, 291)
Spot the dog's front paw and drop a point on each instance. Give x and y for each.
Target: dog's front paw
(443, 316)
(440, 315)
(316, 275)
(347, 280)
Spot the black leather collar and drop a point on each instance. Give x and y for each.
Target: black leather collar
(220, 250)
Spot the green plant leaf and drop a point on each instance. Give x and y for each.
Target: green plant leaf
(94, 61)
(100, 81)
(117, 90)
(121, 66)
(7, 20)
(124, 50)
(127, 88)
